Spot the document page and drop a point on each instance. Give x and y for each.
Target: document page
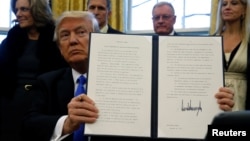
(190, 73)
(119, 81)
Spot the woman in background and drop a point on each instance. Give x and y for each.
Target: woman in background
(26, 52)
(234, 26)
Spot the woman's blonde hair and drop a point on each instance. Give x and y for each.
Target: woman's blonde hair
(245, 22)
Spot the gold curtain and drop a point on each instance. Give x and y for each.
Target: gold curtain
(58, 6)
(214, 8)
(116, 19)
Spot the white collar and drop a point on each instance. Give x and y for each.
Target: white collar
(76, 75)
(104, 29)
(172, 33)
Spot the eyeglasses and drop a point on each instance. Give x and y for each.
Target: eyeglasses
(164, 17)
(22, 9)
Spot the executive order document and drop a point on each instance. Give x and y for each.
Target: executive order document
(130, 73)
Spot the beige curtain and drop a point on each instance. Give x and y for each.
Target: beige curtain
(214, 7)
(116, 20)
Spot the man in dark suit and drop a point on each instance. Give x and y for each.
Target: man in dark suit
(102, 11)
(164, 18)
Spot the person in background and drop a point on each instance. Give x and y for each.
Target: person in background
(102, 11)
(26, 52)
(233, 25)
(164, 18)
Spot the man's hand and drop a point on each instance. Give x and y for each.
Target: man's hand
(225, 98)
(81, 109)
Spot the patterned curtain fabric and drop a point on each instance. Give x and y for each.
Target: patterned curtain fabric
(116, 20)
(214, 7)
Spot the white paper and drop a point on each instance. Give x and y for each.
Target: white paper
(119, 81)
(190, 73)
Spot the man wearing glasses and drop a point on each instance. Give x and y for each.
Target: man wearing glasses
(164, 18)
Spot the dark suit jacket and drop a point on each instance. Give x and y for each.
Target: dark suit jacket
(112, 30)
(238, 118)
(176, 34)
(50, 96)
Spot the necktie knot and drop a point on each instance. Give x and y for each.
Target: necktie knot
(80, 88)
(81, 80)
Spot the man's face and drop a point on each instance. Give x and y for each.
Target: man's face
(73, 38)
(99, 9)
(163, 20)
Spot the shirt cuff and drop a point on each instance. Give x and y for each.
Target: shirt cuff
(57, 134)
